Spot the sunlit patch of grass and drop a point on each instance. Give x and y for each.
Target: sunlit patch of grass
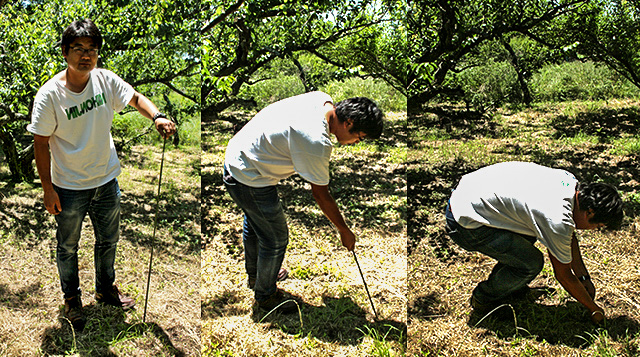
(626, 146)
(581, 139)
(381, 347)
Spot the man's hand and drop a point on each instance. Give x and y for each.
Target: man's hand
(165, 127)
(52, 202)
(348, 239)
(597, 316)
(576, 288)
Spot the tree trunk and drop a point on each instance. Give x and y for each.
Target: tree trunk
(524, 87)
(19, 163)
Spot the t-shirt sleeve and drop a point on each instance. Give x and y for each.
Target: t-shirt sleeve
(557, 238)
(43, 117)
(311, 158)
(121, 91)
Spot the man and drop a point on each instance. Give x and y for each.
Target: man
(287, 137)
(501, 210)
(72, 116)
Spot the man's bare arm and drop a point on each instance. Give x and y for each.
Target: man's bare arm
(145, 106)
(579, 268)
(43, 164)
(329, 207)
(573, 286)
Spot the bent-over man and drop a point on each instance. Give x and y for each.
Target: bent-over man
(287, 137)
(503, 209)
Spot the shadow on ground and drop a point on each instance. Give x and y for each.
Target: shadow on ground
(557, 325)
(604, 123)
(22, 216)
(337, 320)
(96, 338)
(24, 298)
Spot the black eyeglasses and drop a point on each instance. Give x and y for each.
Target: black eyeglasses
(82, 51)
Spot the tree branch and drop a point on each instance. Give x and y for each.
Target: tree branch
(233, 8)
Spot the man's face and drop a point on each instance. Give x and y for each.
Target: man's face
(82, 55)
(345, 137)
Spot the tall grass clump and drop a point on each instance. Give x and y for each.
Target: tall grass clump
(272, 90)
(580, 81)
(490, 85)
(189, 131)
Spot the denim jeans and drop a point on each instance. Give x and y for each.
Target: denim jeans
(519, 261)
(265, 234)
(103, 205)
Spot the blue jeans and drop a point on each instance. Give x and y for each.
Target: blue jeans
(519, 261)
(264, 234)
(103, 205)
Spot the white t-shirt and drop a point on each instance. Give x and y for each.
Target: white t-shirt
(79, 126)
(521, 197)
(289, 136)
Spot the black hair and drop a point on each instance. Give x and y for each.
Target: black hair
(80, 28)
(605, 202)
(364, 113)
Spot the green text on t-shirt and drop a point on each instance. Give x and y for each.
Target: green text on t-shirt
(88, 105)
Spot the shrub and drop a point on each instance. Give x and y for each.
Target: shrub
(272, 90)
(490, 85)
(579, 81)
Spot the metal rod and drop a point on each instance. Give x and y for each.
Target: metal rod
(155, 226)
(365, 284)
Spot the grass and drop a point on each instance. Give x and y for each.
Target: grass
(335, 317)
(582, 137)
(30, 297)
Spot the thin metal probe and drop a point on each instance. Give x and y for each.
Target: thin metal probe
(155, 226)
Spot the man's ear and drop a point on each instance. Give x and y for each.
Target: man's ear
(348, 123)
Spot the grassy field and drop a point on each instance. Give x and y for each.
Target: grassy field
(30, 297)
(593, 140)
(368, 182)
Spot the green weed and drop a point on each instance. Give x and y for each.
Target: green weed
(626, 146)
(381, 347)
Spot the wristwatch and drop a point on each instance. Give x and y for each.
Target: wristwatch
(159, 115)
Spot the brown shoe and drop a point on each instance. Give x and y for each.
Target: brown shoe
(113, 297)
(73, 312)
(280, 302)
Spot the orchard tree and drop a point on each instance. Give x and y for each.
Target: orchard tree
(444, 33)
(240, 38)
(605, 31)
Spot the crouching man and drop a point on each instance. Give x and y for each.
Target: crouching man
(287, 137)
(501, 210)
(77, 161)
